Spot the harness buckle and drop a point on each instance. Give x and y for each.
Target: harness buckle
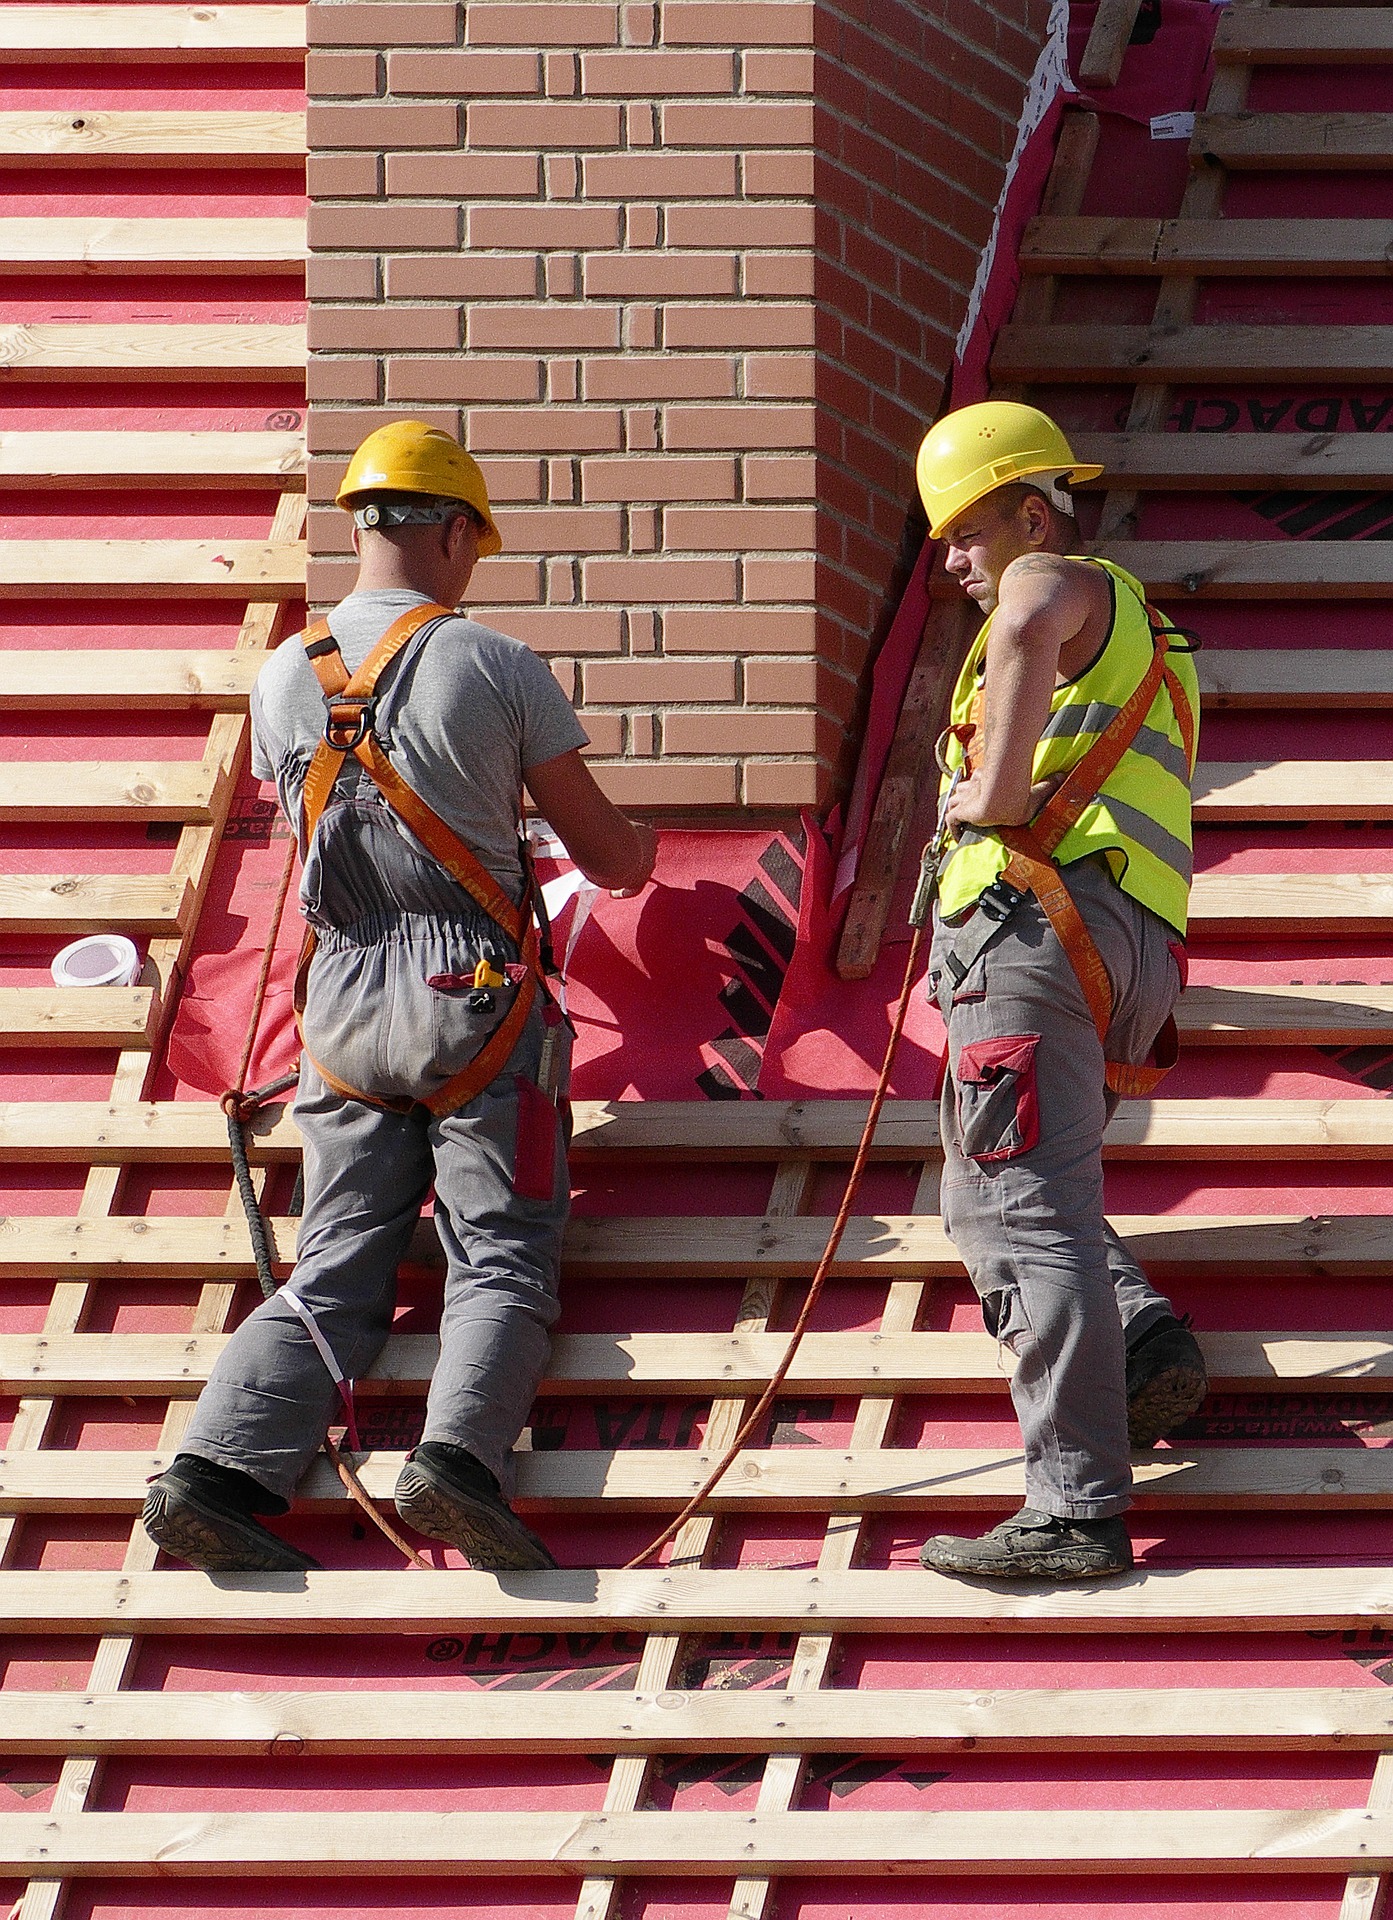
(1000, 900)
(348, 720)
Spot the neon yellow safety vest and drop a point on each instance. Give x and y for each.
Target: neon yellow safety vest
(1141, 818)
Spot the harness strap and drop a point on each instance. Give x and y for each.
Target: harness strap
(350, 702)
(1033, 869)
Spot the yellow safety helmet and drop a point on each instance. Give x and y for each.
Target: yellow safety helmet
(410, 457)
(975, 450)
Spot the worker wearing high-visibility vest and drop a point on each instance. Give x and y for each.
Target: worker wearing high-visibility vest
(1057, 955)
(399, 734)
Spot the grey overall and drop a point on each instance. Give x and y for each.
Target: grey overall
(1023, 1112)
(389, 919)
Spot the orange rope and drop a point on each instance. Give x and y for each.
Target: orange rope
(824, 1267)
(348, 1473)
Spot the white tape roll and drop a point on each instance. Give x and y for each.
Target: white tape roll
(100, 960)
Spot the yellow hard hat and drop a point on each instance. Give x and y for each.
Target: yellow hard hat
(975, 450)
(410, 457)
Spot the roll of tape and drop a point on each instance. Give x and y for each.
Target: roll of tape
(99, 960)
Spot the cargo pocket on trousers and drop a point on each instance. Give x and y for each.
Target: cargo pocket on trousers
(998, 1112)
(534, 1150)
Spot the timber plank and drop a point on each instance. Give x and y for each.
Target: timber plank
(188, 460)
(93, 1133)
(571, 1844)
(689, 1599)
(132, 32)
(909, 1720)
(177, 1364)
(1201, 462)
(1258, 569)
(931, 1480)
(1069, 351)
(103, 243)
(1297, 902)
(672, 1247)
(141, 350)
(1311, 141)
(150, 678)
(107, 137)
(1316, 1016)
(123, 1017)
(1094, 244)
(1300, 677)
(1303, 36)
(1293, 790)
(152, 569)
(96, 790)
(73, 903)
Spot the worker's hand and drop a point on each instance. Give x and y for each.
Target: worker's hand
(649, 841)
(967, 807)
(972, 805)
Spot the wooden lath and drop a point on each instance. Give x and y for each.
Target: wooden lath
(108, 137)
(40, 790)
(918, 1484)
(192, 460)
(670, 1247)
(1176, 351)
(1358, 142)
(109, 243)
(570, 1844)
(132, 32)
(1239, 248)
(137, 1366)
(1122, 1720)
(1306, 36)
(673, 1600)
(152, 569)
(119, 1017)
(150, 350)
(616, 1134)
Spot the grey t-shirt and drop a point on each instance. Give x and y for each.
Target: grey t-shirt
(462, 715)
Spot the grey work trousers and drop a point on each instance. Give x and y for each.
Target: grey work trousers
(367, 1172)
(1024, 1108)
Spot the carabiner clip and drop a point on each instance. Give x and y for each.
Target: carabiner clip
(962, 731)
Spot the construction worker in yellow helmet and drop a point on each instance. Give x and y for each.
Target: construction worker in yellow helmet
(399, 734)
(1057, 955)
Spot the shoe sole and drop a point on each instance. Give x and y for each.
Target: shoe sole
(1057, 1566)
(218, 1545)
(492, 1539)
(1164, 1403)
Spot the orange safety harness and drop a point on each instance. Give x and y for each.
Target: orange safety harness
(1032, 868)
(351, 702)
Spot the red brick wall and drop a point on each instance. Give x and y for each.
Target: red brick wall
(686, 275)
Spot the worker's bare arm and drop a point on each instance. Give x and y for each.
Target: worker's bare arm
(1044, 602)
(608, 848)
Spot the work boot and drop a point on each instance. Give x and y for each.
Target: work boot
(1166, 1381)
(1034, 1546)
(202, 1513)
(443, 1491)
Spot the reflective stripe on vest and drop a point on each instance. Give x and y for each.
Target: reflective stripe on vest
(1141, 818)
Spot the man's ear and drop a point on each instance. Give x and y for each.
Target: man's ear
(357, 540)
(1036, 513)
